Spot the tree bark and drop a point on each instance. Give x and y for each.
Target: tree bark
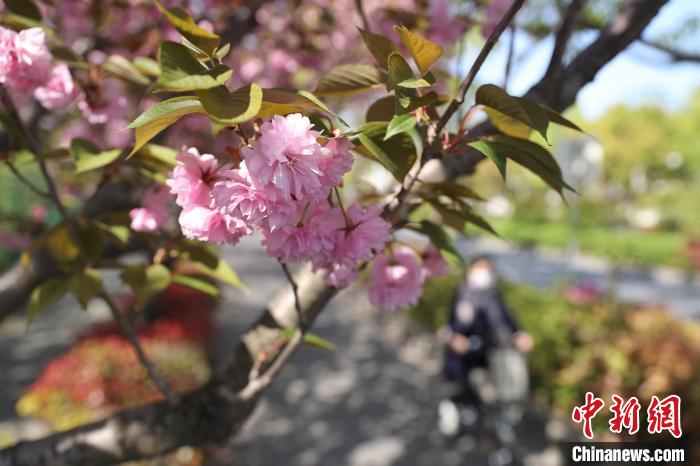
(215, 412)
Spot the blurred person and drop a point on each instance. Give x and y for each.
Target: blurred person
(479, 327)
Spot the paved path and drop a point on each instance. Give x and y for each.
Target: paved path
(370, 403)
(545, 267)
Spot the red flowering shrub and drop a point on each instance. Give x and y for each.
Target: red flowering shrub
(101, 374)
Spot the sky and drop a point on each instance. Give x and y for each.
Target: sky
(638, 75)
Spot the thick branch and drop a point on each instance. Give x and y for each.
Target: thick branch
(211, 414)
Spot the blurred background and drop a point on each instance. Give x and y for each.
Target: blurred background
(605, 279)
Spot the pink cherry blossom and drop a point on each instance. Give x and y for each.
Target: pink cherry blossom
(210, 224)
(153, 213)
(59, 91)
(193, 177)
(434, 265)
(335, 161)
(286, 158)
(396, 281)
(340, 276)
(236, 194)
(312, 238)
(25, 61)
(367, 231)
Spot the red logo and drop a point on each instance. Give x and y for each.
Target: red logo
(665, 415)
(587, 412)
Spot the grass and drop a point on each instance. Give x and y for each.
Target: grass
(621, 245)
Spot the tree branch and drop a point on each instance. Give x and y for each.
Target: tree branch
(675, 54)
(128, 332)
(563, 35)
(476, 66)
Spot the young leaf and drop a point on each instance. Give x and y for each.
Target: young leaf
(406, 104)
(379, 46)
(423, 51)
(493, 96)
(146, 281)
(94, 161)
(444, 243)
(45, 295)
(223, 51)
(381, 110)
(532, 156)
(120, 66)
(181, 71)
(349, 79)
(160, 116)
(85, 285)
(399, 71)
(309, 338)
(397, 154)
(146, 66)
(286, 101)
(451, 189)
(459, 214)
(204, 40)
(400, 124)
(26, 8)
(491, 151)
(196, 283)
(223, 272)
(120, 233)
(230, 108)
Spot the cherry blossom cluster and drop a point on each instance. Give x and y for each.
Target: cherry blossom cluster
(26, 67)
(285, 187)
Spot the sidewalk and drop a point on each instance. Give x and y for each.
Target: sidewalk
(543, 267)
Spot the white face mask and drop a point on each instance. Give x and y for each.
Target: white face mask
(480, 279)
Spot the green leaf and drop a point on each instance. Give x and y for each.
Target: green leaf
(532, 156)
(60, 244)
(558, 118)
(146, 281)
(181, 71)
(408, 104)
(286, 101)
(95, 161)
(123, 68)
(414, 83)
(379, 46)
(318, 342)
(26, 8)
(230, 108)
(459, 214)
(121, 233)
(85, 285)
(491, 151)
(146, 66)
(349, 79)
(45, 295)
(444, 243)
(157, 157)
(381, 110)
(451, 189)
(223, 51)
(397, 154)
(223, 272)
(400, 124)
(514, 108)
(423, 51)
(160, 116)
(309, 338)
(204, 40)
(399, 71)
(196, 283)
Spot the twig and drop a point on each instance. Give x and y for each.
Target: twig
(485, 51)
(128, 332)
(297, 303)
(361, 11)
(509, 59)
(25, 181)
(675, 55)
